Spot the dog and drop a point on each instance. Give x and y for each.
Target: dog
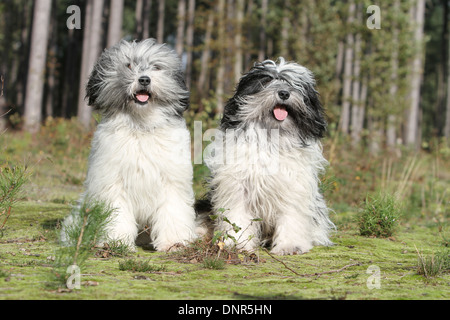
(140, 161)
(266, 162)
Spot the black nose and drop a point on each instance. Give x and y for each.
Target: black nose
(144, 81)
(284, 95)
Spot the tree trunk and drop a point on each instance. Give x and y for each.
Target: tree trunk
(413, 116)
(238, 58)
(285, 29)
(161, 11)
(115, 22)
(138, 17)
(357, 126)
(3, 110)
(190, 41)
(248, 17)
(36, 70)
(52, 61)
(391, 133)
(262, 31)
(93, 50)
(447, 117)
(203, 84)
(346, 89)
(221, 67)
(146, 19)
(181, 20)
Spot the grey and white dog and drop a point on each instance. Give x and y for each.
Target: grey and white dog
(140, 161)
(266, 162)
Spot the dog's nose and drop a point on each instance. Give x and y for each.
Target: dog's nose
(144, 81)
(284, 95)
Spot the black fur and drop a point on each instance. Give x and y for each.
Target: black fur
(310, 124)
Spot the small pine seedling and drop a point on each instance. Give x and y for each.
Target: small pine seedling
(86, 229)
(12, 180)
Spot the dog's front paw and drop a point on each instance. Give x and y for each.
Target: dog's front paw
(284, 250)
(173, 247)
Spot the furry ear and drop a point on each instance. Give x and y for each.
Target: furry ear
(93, 88)
(319, 123)
(179, 78)
(229, 119)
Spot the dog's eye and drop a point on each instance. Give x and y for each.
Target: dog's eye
(129, 66)
(156, 67)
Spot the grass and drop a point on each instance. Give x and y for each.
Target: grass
(380, 215)
(30, 237)
(140, 266)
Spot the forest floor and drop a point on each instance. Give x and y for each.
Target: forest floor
(57, 159)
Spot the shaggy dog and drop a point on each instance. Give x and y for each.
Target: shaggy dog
(266, 160)
(140, 161)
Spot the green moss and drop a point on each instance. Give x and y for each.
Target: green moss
(30, 241)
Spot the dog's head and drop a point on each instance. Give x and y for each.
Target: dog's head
(279, 96)
(136, 76)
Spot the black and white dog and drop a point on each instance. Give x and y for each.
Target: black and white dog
(266, 161)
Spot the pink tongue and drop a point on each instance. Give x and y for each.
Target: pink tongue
(142, 97)
(280, 113)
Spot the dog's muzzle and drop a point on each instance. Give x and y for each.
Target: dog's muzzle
(142, 96)
(279, 111)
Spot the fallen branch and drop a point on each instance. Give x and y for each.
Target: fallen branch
(317, 274)
(284, 264)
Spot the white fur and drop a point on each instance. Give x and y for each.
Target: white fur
(147, 176)
(140, 161)
(268, 170)
(285, 195)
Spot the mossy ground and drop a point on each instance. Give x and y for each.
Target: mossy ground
(30, 241)
(58, 160)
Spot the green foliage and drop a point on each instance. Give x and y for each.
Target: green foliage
(140, 266)
(433, 265)
(213, 263)
(12, 179)
(87, 228)
(379, 216)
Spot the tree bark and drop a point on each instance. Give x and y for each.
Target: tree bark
(238, 58)
(93, 50)
(357, 126)
(203, 84)
(115, 22)
(262, 31)
(391, 132)
(221, 67)
(413, 116)
(36, 70)
(190, 41)
(161, 11)
(447, 117)
(346, 89)
(181, 21)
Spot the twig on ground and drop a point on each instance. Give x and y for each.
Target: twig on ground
(284, 264)
(317, 274)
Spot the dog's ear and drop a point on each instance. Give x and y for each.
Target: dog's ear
(93, 88)
(229, 119)
(318, 123)
(179, 78)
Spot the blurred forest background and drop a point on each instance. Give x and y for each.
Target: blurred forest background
(383, 75)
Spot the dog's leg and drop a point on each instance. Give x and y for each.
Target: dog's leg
(123, 226)
(173, 224)
(247, 236)
(292, 233)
